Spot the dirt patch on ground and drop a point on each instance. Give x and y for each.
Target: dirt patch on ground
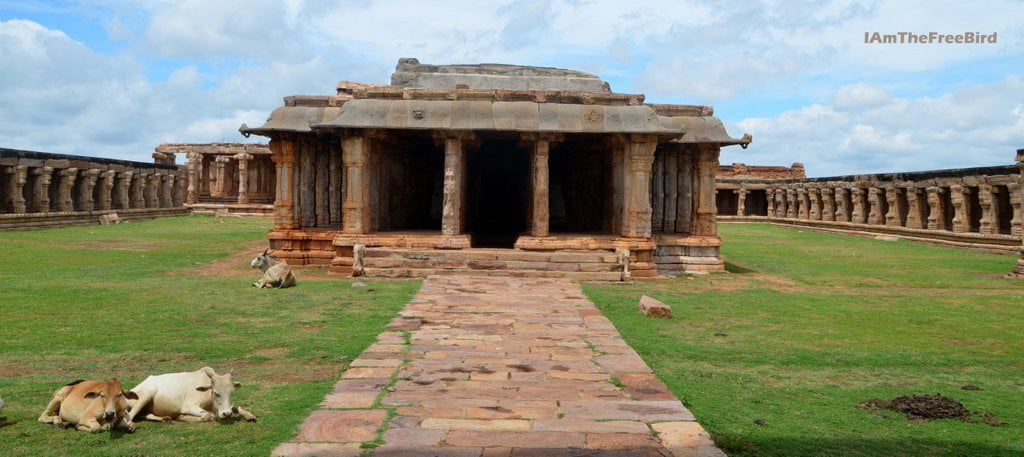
(118, 245)
(928, 407)
(236, 265)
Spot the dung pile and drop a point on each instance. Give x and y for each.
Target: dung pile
(927, 407)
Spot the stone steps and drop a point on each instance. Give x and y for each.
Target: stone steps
(591, 265)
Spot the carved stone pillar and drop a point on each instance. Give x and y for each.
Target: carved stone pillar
(658, 191)
(741, 202)
(194, 167)
(704, 215)
(137, 190)
(357, 217)
(122, 195)
(539, 214)
(961, 210)
(892, 216)
(842, 208)
(828, 209)
(858, 214)
(106, 186)
(152, 191)
(802, 203)
(1019, 269)
(1016, 201)
(770, 194)
(14, 200)
(989, 210)
(86, 184)
(67, 182)
(814, 195)
(167, 190)
(792, 209)
(41, 192)
(875, 216)
(334, 184)
(243, 159)
(177, 191)
(914, 209)
(936, 210)
(283, 155)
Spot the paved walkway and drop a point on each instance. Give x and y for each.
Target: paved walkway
(500, 367)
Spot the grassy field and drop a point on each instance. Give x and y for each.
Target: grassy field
(810, 325)
(164, 296)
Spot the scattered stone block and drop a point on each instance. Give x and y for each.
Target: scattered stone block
(110, 219)
(653, 308)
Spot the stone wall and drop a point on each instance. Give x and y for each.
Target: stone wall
(976, 207)
(39, 189)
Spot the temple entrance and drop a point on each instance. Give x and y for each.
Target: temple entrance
(498, 194)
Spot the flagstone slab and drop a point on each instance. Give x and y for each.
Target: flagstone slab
(500, 367)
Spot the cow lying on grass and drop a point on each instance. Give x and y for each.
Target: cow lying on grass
(198, 396)
(276, 273)
(90, 406)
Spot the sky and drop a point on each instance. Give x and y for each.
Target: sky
(115, 78)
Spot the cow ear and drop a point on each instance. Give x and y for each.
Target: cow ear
(131, 395)
(92, 395)
(238, 384)
(203, 388)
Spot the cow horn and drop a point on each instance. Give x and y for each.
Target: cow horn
(266, 251)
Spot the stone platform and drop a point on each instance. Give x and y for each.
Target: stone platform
(488, 366)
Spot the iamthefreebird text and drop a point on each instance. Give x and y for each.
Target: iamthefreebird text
(930, 38)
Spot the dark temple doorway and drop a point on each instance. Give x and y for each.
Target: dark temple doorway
(498, 193)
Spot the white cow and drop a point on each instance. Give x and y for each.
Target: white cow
(198, 396)
(276, 273)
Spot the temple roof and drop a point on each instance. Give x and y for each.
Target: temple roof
(411, 73)
(494, 109)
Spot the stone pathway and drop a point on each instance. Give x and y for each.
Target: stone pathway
(491, 366)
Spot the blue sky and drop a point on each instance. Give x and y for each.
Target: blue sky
(115, 78)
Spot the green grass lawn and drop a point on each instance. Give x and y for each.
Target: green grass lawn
(809, 325)
(172, 295)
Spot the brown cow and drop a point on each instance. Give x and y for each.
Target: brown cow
(90, 406)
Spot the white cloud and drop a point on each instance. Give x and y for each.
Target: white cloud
(860, 95)
(973, 125)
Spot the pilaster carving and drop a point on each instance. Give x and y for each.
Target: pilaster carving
(41, 193)
(14, 200)
(989, 210)
(86, 184)
(828, 210)
(961, 216)
(106, 187)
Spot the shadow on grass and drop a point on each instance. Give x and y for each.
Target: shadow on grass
(857, 446)
(734, 268)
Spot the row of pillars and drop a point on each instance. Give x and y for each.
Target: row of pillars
(895, 206)
(88, 189)
(633, 156)
(199, 183)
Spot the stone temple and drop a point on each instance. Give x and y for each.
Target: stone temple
(524, 171)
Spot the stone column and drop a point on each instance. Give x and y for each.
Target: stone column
(1019, 269)
(858, 197)
(961, 210)
(167, 190)
(86, 183)
(14, 201)
(306, 175)
(1016, 201)
(741, 201)
(801, 203)
(152, 190)
(106, 183)
(122, 192)
(828, 209)
(842, 208)
(67, 182)
(937, 211)
(283, 155)
(814, 194)
(704, 215)
(989, 210)
(356, 218)
(334, 167)
(243, 159)
(792, 209)
(194, 170)
(770, 194)
(539, 214)
(892, 216)
(915, 209)
(41, 194)
(876, 196)
(678, 166)
(137, 192)
(176, 190)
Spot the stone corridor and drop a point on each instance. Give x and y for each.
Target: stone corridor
(477, 366)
